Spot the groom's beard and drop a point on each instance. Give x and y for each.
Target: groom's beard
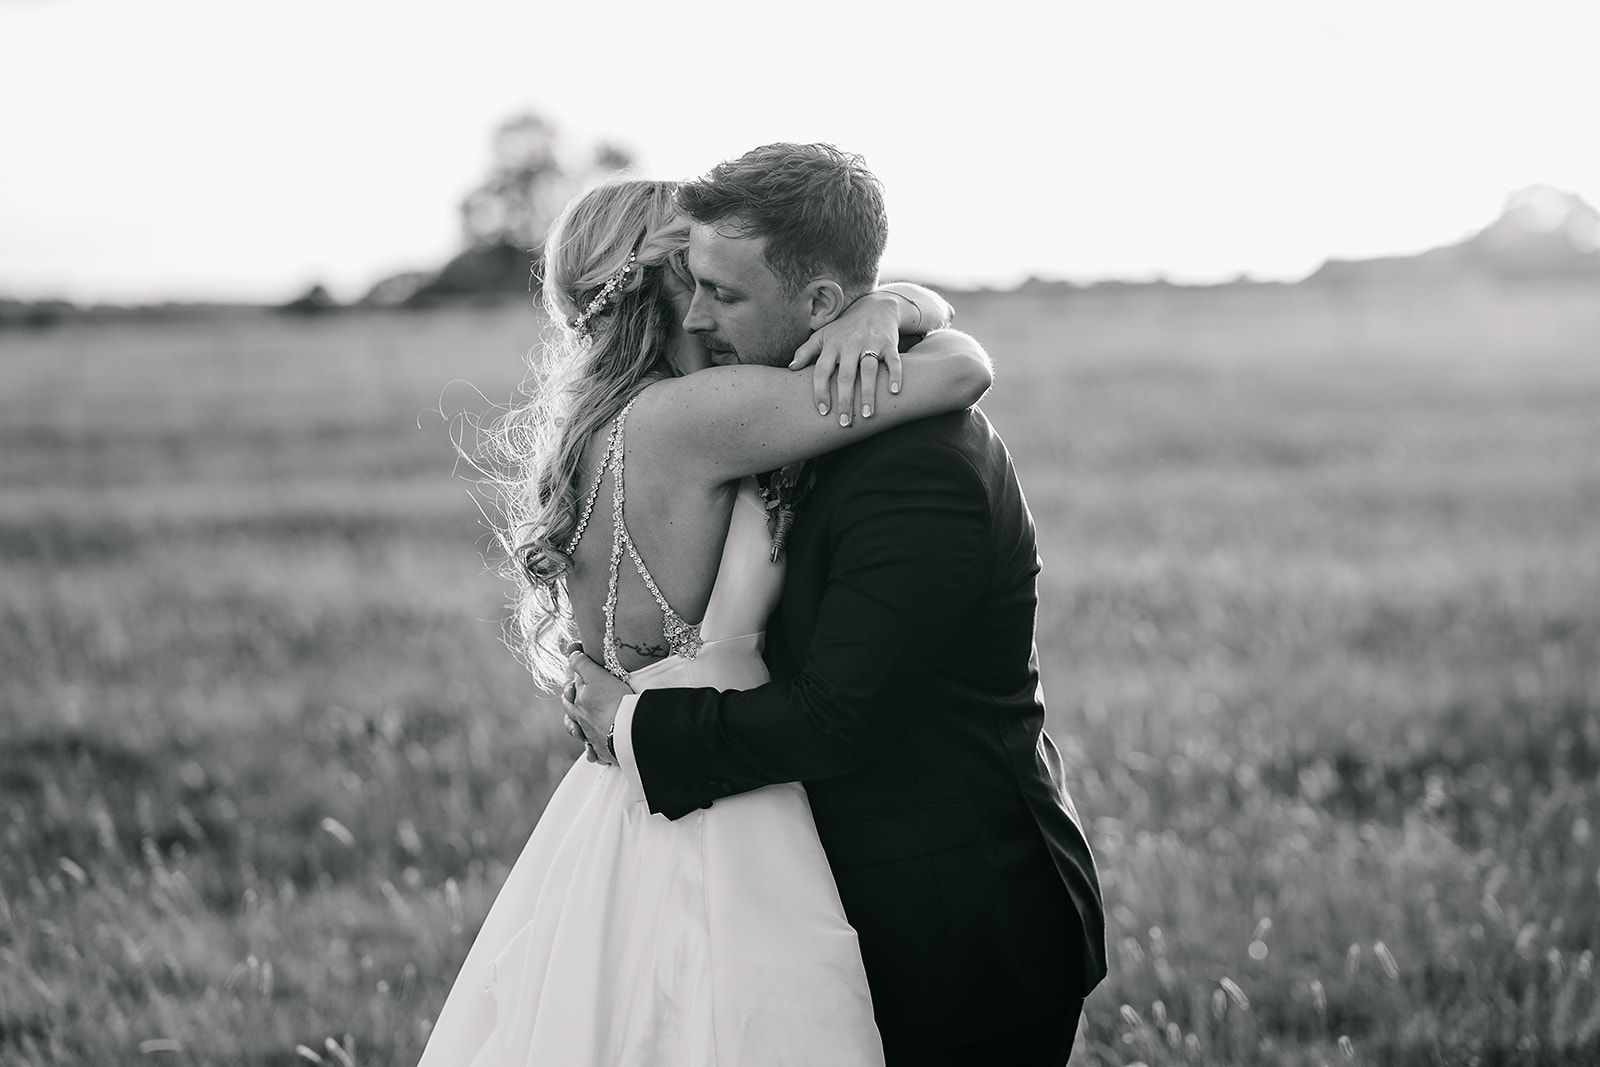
(722, 354)
(762, 353)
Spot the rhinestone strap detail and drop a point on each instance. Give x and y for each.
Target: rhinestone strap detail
(683, 638)
(599, 480)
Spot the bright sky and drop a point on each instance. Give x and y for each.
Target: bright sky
(190, 149)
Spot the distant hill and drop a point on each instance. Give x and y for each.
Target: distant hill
(489, 272)
(42, 314)
(1543, 234)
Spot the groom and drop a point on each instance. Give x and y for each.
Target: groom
(905, 691)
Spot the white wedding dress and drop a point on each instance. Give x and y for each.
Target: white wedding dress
(624, 938)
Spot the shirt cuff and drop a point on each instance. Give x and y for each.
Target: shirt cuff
(622, 741)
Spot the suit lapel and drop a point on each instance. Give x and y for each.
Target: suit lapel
(807, 574)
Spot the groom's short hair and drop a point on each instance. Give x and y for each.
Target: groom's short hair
(820, 209)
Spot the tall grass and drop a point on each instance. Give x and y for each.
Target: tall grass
(1319, 635)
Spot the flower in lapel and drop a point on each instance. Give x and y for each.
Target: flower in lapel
(782, 491)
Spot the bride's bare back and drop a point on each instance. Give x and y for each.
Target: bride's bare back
(677, 523)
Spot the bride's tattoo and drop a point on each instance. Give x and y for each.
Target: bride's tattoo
(648, 651)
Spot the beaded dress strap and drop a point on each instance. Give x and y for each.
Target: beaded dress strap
(599, 480)
(683, 638)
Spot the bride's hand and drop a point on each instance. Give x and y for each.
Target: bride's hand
(591, 699)
(848, 353)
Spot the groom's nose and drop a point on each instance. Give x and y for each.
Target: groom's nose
(698, 320)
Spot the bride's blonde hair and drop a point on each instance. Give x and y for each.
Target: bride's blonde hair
(580, 380)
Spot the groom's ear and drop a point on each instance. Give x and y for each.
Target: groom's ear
(827, 300)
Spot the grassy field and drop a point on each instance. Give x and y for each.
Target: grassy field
(1320, 632)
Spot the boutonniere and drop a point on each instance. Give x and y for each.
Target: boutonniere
(781, 493)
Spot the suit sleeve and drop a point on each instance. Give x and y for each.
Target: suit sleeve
(909, 549)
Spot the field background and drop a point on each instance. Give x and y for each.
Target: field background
(1320, 633)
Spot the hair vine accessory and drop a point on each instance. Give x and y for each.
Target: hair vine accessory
(607, 291)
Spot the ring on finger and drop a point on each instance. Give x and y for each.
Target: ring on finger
(870, 355)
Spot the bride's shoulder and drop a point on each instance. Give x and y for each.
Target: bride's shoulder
(660, 393)
(657, 414)
(659, 437)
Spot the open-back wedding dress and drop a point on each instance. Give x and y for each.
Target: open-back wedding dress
(623, 938)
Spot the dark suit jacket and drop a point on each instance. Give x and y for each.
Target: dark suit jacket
(905, 695)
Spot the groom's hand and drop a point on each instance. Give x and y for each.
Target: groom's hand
(591, 699)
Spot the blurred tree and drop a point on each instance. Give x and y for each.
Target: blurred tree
(532, 175)
(515, 203)
(35, 314)
(529, 183)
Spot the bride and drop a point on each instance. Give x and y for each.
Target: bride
(621, 937)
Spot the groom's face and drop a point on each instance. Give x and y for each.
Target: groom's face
(740, 308)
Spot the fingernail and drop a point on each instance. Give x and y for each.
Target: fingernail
(844, 420)
(894, 387)
(866, 411)
(822, 409)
